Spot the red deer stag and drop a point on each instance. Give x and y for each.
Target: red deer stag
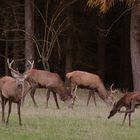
(12, 91)
(90, 81)
(51, 81)
(130, 101)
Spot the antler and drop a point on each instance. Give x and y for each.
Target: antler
(31, 63)
(111, 89)
(10, 66)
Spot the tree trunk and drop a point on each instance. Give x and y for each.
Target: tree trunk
(29, 31)
(68, 64)
(135, 46)
(125, 60)
(69, 45)
(6, 25)
(68, 55)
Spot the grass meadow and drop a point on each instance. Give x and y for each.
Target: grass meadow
(81, 123)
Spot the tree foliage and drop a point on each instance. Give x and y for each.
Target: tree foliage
(105, 5)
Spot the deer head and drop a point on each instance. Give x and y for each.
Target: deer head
(69, 102)
(31, 64)
(20, 78)
(70, 99)
(27, 72)
(111, 93)
(113, 111)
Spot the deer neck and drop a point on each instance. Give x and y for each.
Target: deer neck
(119, 105)
(102, 92)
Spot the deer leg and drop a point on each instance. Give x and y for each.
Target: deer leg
(91, 93)
(9, 111)
(19, 115)
(124, 118)
(32, 94)
(129, 119)
(5, 102)
(3, 109)
(89, 96)
(75, 90)
(23, 98)
(47, 97)
(94, 98)
(132, 109)
(72, 89)
(56, 101)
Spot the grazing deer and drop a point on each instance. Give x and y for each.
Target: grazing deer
(51, 81)
(12, 91)
(90, 81)
(130, 101)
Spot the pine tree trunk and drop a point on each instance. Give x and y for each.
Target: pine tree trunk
(29, 30)
(135, 46)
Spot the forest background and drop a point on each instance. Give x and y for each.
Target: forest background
(62, 36)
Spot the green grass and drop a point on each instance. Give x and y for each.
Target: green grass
(81, 123)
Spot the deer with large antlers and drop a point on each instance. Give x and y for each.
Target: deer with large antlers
(90, 81)
(51, 81)
(130, 101)
(12, 91)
